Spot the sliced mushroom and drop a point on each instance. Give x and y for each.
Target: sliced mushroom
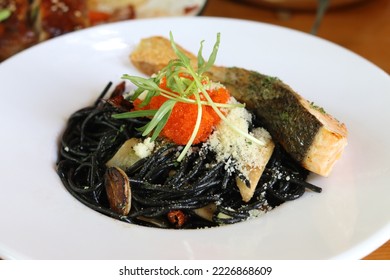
(153, 221)
(206, 212)
(254, 173)
(246, 190)
(118, 190)
(125, 156)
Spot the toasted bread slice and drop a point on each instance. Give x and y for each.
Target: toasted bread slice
(154, 53)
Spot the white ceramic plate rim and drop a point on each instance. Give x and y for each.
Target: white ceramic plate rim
(42, 86)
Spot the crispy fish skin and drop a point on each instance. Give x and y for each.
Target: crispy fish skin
(310, 135)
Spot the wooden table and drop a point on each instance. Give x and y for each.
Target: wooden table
(363, 28)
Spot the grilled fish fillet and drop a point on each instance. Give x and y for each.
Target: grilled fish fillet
(309, 134)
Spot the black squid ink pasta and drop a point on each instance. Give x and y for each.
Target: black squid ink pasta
(196, 192)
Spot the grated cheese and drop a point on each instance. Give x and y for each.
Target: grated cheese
(233, 148)
(144, 149)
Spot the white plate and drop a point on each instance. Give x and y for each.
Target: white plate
(42, 86)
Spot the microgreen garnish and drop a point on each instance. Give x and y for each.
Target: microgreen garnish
(4, 14)
(184, 82)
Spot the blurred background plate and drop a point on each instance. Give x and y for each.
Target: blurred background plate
(24, 23)
(301, 4)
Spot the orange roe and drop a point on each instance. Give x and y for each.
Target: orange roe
(182, 120)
